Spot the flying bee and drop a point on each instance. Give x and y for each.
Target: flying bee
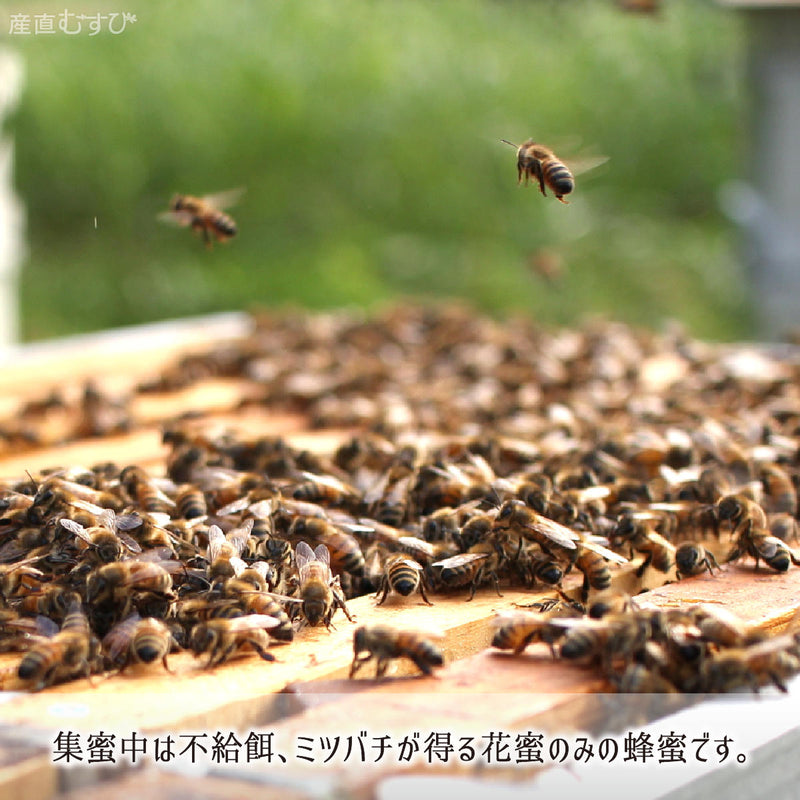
(760, 544)
(318, 591)
(71, 652)
(222, 638)
(404, 576)
(204, 215)
(540, 164)
(691, 558)
(138, 640)
(385, 643)
(515, 630)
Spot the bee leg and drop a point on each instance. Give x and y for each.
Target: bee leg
(423, 593)
(585, 589)
(384, 589)
(561, 198)
(166, 667)
(644, 565)
(267, 656)
(380, 669)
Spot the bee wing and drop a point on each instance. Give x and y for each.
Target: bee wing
(85, 505)
(322, 554)
(460, 560)
(555, 531)
(46, 627)
(226, 199)
(263, 568)
(303, 555)
(107, 519)
(408, 562)
(239, 536)
(609, 555)
(179, 218)
(216, 541)
(76, 528)
(128, 522)
(235, 507)
(129, 543)
(251, 622)
(582, 165)
(238, 566)
(116, 641)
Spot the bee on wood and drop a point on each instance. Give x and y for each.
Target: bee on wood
(204, 215)
(614, 638)
(402, 575)
(593, 563)
(223, 638)
(470, 569)
(318, 590)
(768, 662)
(761, 545)
(71, 652)
(691, 558)
(137, 640)
(515, 630)
(385, 643)
(637, 533)
(742, 512)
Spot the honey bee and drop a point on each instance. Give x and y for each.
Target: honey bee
(325, 489)
(190, 502)
(760, 544)
(637, 678)
(72, 652)
(102, 541)
(539, 163)
(742, 512)
(385, 643)
(204, 215)
(555, 539)
(691, 558)
(344, 549)
(722, 628)
(467, 569)
(145, 490)
(138, 640)
(596, 573)
(224, 551)
(404, 576)
(515, 630)
(770, 661)
(614, 638)
(113, 583)
(222, 638)
(640, 538)
(319, 591)
(780, 495)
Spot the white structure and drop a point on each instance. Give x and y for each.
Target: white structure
(12, 216)
(768, 205)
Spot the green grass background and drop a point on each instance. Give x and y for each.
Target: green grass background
(366, 134)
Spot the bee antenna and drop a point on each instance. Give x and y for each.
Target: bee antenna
(505, 141)
(33, 480)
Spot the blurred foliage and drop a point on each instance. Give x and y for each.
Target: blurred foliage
(366, 134)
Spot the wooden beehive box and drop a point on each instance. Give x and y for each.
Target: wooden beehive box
(305, 692)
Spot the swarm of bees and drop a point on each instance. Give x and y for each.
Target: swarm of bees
(548, 454)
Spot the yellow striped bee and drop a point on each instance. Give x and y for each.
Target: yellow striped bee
(403, 575)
